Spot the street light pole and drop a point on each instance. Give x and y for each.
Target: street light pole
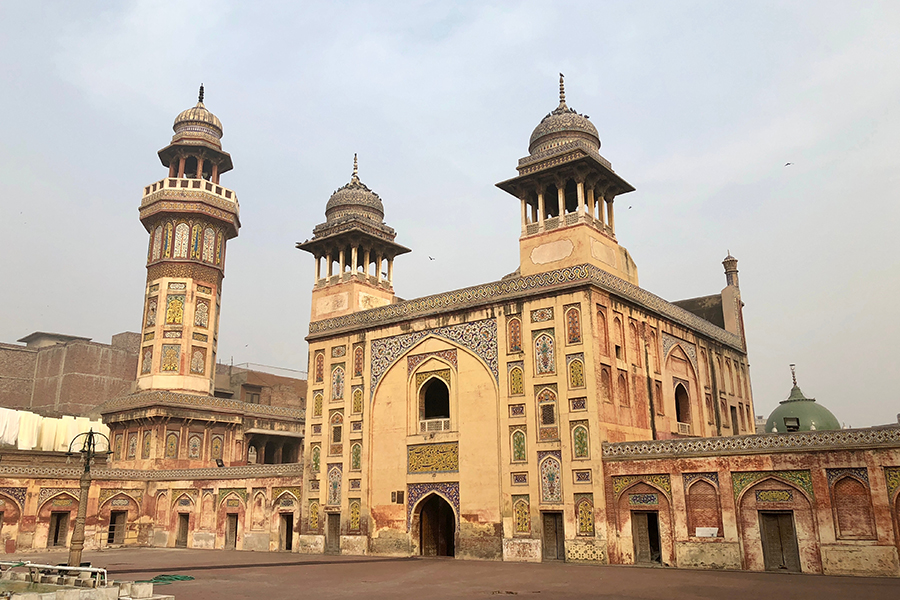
(88, 452)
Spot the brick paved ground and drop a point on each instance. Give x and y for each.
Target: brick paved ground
(224, 575)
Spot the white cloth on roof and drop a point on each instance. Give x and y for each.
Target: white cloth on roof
(47, 441)
(9, 426)
(29, 430)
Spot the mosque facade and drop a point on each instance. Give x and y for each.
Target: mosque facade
(550, 415)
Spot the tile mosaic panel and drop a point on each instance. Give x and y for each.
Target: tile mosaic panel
(892, 476)
(201, 314)
(584, 514)
(515, 372)
(337, 381)
(521, 514)
(359, 360)
(578, 403)
(800, 478)
(433, 458)
(689, 478)
(573, 325)
(575, 368)
(416, 491)
(414, 360)
(514, 335)
(774, 496)
(171, 358)
(355, 484)
(16, 493)
(544, 352)
(516, 410)
(519, 478)
(478, 336)
(670, 341)
(582, 476)
(517, 444)
(338, 351)
(860, 473)
(335, 478)
(643, 499)
(442, 374)
(542, 315)
(661, 481)
(550, 468)
(174, 309)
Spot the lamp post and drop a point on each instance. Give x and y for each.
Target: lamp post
(88, 452)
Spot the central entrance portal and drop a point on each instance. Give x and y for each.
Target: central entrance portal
(645, 531)
(437, 527)
(779, 541)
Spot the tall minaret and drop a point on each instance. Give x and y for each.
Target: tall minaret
(189, 217)
(358, 249)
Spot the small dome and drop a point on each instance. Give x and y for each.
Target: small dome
(562, 125)
(198, 119)
(799, 413)
(356, 199)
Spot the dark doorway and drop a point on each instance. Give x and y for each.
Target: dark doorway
(682, 404)
(333, 537)
(437, 528)
(181, 535)
(734, 421)
(117, 519)
(231, 525)
(287, 531)
(645, 531)
(59, 529)
(554, 536)
(779, 541)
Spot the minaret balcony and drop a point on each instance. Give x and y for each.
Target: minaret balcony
(569, 219)
(184, 184)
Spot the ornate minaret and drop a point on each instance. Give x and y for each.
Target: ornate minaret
(189, 217)
(358, 250)
(567, 190)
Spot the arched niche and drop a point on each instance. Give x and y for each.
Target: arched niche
(643, 498)
(434, 527)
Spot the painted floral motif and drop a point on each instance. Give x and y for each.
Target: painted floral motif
(182, 232)
(316, 458)
(643, 499)
(514, 335)
(201, 314)
(584, 507)
(171, 356)
(314, 516)
(220, 248)
(317, 405)
(145, 451)
(157, 243)
(194, 446)
(117, 452)
(196, 240)
(580, 441)
(356, 457)
(320, 367)
(334, 485)
(147, 361)
(573, 326)
(198, 361)
(518, 446)
(337, 383)
(516, 382)
(357, 401)
(132, 445)
(216, 447)
(551, 488)
(354, 515)
(522, 515)
(172, 445)
(545, 361)
(542, 314)
(358, 361)
(167, 241)
(151, 313)
(337, 434)
(174, 309)
(576, 374)
(209, 245)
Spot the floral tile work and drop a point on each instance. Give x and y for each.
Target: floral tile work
(743, 480)
(550, 466)
(417, 491)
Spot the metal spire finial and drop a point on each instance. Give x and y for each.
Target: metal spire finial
(562, 89)
(794, 373)
(355, 176)
(201, 94)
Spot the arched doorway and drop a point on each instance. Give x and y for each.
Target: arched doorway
(437, 527)
(682, 404)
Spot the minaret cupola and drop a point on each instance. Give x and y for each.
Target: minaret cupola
(358, 250)
(566, 190)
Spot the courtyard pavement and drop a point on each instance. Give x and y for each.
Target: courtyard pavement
(226, 575)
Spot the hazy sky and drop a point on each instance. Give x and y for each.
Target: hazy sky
(699, 105)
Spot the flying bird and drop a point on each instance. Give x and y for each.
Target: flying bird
(629, 208)
(430, 258)
(788, 164)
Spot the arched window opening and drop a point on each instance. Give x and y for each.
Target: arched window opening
(551, 201)
(190, 167)
(853, 509)
(703, 509)
(682, 404)
(434, 406)
(571, 196)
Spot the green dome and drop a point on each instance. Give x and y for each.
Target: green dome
(809, 415)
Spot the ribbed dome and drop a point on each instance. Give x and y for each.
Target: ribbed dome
(809, 415)
(355, 198)
(562, 125)
(198, 119)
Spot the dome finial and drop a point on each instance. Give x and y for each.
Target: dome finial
(562, 90)
(355, 176)
(794, 373)
(200, 97)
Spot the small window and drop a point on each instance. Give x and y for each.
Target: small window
(792, 423)
(548, 415)
(618, 352)
(254, 398)
(436, 400)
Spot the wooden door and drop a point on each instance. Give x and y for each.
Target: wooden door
(59, 528)
(641, 534)
(287, 531)
(231, 525)
(181, 535)
(779, 541)
(116, 534)
(333, 538)
(554, 541)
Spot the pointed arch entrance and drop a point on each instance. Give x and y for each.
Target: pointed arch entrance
(437, 527)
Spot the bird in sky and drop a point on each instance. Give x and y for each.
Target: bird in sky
(430, 258)
(788, 164)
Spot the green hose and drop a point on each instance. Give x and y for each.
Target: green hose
(166, 579)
